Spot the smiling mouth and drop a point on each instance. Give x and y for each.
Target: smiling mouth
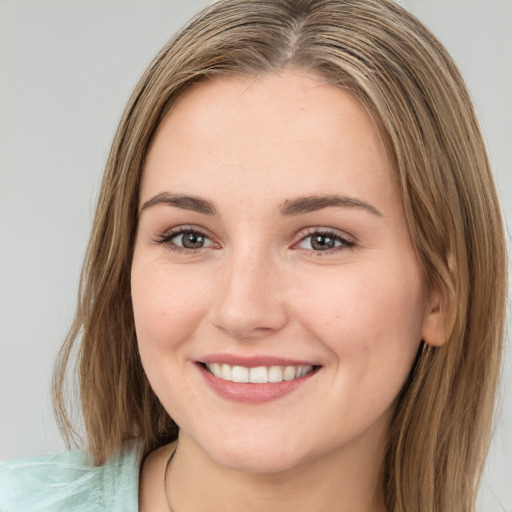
(259, 374)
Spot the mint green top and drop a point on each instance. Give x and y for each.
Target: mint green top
(69, 482)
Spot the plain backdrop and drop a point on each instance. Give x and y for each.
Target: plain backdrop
(67, 68)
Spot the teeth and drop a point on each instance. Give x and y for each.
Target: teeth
(275, 374)
(216, 369)
(290, 373)
(259, 374)
(240, 374)
(225, 372)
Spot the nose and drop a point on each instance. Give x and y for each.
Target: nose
(251, 299)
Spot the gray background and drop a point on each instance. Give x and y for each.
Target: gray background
(67, 68)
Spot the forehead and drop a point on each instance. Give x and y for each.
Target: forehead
(286, 131)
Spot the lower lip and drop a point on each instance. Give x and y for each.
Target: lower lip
(252, 393)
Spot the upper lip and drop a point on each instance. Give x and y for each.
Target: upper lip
(253, 361)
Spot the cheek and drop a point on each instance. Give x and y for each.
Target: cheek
(167, 305)
(370, 320)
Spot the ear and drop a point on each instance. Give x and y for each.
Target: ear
(436, 322)
(440, 311)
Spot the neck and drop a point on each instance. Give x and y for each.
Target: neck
(344, 480)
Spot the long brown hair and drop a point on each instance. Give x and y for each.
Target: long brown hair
(405, 78)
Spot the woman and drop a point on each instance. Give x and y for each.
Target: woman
(291, 258)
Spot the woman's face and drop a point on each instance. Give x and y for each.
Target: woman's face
(272, 247)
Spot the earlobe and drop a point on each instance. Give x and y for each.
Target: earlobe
(435, 330)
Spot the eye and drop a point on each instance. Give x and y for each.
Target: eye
(324, 241)
(184, 239)
(191, 240)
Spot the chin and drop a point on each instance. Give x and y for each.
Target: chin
(263, 457)
(250, 463)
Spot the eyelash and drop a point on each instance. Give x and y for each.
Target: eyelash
(166, 240)
(345, 244)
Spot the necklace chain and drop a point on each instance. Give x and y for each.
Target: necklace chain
(169, 460)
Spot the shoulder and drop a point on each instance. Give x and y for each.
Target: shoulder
(68, 481)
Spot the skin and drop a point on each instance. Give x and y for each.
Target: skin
(359, 311)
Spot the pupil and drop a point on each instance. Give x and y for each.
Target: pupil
(322, 243)
(192, 241)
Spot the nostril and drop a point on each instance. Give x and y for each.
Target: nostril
(248, 332)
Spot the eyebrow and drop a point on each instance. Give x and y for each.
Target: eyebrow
(299, 206)
(308, 204)
(185, 202)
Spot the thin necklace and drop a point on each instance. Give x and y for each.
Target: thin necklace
(169, 460)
